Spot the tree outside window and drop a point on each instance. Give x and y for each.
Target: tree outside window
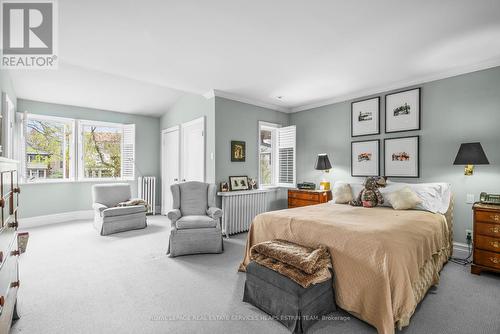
(102, 151)
(47, 149)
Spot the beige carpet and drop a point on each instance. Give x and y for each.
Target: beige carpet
(75, 281)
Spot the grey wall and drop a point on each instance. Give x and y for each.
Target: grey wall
(460, 109)
(44, 199)
(239, 121)
(190, 107)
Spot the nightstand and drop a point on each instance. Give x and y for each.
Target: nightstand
(302, 197)
(486, 238)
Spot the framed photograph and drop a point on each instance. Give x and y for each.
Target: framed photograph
(365, 159)
(238, 151)
(238, 183)
(224, 186)
(402, 157)
(402, 111)
(365, 117)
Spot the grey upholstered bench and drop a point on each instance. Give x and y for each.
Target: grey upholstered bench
(295, 307)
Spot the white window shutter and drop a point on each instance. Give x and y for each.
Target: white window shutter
(286, 156)
(128, 152)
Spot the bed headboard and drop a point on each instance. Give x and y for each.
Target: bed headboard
(449, 220)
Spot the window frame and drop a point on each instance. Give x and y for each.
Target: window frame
(80, 150)
(22, 137)
(262, 125)
(76, 172)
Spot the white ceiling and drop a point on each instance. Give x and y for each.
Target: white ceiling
(139, 56)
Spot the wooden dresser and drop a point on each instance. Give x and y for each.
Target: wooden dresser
(486, 238)
(302, 197)
(9, 251)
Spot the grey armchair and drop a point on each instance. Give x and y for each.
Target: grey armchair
(195, 220)
(108, 218)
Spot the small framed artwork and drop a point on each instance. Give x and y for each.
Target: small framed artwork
(365, 158)
(402, 157)
(224, 186)
(238, 151)
(238, 183)
(402, 111)
(365, 117)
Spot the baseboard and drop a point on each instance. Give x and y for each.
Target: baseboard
(460, 250)
(55, 218)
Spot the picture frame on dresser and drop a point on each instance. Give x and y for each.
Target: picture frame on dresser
(403, 111)
(402, 157)
(365, 117)
(365, 158)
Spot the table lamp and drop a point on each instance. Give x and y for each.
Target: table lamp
(470, 154)
(323, 163)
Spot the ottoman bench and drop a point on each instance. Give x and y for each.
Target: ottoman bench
(295, 307)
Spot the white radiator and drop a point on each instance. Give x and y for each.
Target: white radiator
(240, 208)
(147, 191)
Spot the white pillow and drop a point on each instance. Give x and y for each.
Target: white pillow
(404, 199)
(435, 196)
(342, 194)
(356, 187)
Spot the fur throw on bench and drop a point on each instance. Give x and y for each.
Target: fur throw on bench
(303, 265)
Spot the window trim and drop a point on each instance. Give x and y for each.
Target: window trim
(274, 148)
(21, 137)
(76, 149)
(80, 168)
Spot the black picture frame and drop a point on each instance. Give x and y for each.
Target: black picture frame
(419, 89)
(378, 157)
(238, 151)
(378, 116)
(241, 187)
(418, 157)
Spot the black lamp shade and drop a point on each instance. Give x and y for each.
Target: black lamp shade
(471, 154)
(323, 163)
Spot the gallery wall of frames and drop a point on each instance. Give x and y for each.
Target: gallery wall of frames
(402, 113)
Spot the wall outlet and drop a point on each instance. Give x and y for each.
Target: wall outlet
(470, 199)
(468, 235)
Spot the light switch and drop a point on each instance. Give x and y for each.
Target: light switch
(470, 198)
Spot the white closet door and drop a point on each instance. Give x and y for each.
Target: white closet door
(193, 150)
(170, 165)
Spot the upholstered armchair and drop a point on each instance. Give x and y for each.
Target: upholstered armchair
(108, 217)
(195, 219)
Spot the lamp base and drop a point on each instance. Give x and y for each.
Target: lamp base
(324, 185)
(469, 170)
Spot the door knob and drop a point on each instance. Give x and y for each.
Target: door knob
(183, 180)
(176, 179)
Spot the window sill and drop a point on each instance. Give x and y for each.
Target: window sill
(77, 181)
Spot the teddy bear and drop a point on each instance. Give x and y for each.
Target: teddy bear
(370, 196)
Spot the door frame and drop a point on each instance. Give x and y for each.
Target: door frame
(184, 125)
(163, 167)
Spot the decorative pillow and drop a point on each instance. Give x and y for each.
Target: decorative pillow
(342, 194)
(435, 196)
(404, 199)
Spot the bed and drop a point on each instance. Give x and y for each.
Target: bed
(384, 260)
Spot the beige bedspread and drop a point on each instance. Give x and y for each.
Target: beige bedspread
(383, 260)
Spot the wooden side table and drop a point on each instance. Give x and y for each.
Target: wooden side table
(302, 197)
(486, 238)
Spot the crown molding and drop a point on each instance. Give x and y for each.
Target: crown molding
(208, 95)
(246, 100)
(401, 84)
